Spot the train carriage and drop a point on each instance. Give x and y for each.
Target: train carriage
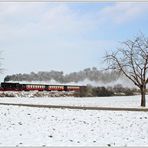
(55, 87)
(39, 87)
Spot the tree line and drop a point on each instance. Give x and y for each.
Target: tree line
(116, 90)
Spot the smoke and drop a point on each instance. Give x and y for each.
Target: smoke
(123, 81)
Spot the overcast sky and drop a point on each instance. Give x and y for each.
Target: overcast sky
(44, 36)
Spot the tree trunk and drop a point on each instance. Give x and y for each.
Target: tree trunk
(143, 101)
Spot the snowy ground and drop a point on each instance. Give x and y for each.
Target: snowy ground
(121, 101)
(26, 126)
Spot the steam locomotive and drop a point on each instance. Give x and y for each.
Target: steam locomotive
(7, 86)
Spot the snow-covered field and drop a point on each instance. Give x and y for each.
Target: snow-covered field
(121, 101)
(26, 126)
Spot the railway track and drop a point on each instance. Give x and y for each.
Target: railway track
(78, 107)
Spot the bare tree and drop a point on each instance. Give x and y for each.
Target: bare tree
(132, 61)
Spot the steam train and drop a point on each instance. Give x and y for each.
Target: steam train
(7, 86)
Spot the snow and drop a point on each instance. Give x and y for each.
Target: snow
(120, 101)
(26, 126)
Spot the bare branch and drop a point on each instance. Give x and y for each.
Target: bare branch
(131, 60)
